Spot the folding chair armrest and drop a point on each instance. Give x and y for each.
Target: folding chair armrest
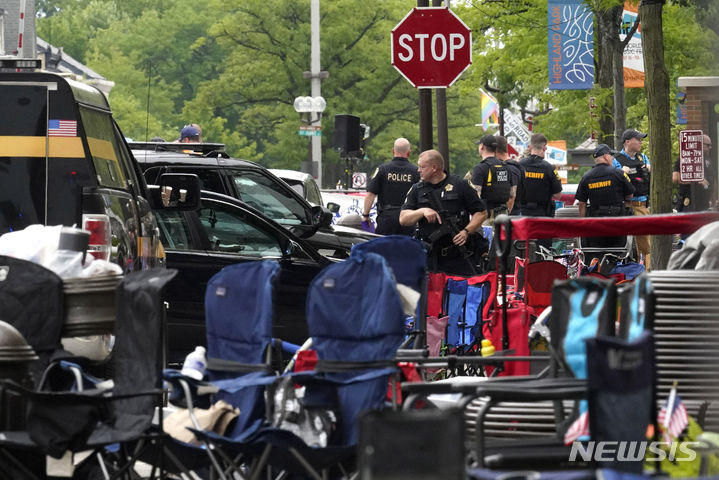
(532, 392)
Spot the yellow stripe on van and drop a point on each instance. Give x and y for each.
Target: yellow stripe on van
(60, 147)
(101, 148)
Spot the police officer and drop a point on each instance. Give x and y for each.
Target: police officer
(459, 199)
(492, 179)
(704, 194)
(605, 189)
(390, 184)
(541, 183)
(517, 174)
(636, 166)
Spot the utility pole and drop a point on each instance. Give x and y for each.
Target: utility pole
(426, 134)
(316, 86)
(442, 125)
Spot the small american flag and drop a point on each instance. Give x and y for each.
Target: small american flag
(579, 429)
(676, 420)
(62, 128)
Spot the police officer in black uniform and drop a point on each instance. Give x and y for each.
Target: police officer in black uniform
(459, 199)
(605, 189)
(541, 183)
(704, 193)
(390, 184)
(517, 174)
(492, 179)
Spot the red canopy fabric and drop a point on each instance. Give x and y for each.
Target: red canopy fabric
(525, 228)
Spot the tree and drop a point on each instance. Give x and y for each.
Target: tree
(656, 84)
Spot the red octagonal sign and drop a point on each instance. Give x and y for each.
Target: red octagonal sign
(431, 47)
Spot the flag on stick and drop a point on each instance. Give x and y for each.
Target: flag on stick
(673, 416)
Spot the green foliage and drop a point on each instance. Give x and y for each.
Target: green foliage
(684, 469)
(236, 66)
(511, 54)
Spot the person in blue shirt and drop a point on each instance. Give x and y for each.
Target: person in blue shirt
(636, 165)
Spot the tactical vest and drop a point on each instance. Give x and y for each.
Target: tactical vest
(450, 201)
(536, 184)
(496, 189)
(605, 195)
(638, 175)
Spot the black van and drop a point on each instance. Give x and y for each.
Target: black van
(64, 161)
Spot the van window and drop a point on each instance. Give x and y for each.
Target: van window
(104, 147)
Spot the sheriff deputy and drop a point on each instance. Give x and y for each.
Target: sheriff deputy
(390, 184)
(492, 179)
(605, 188)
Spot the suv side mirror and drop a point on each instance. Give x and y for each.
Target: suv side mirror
(333, 207)
(178, 192)
(321, 216)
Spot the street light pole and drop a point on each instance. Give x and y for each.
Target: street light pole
(316, 85)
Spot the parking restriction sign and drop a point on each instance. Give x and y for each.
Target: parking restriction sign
(359, 180)
(691, 156)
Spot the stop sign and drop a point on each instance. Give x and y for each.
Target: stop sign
(431, 47)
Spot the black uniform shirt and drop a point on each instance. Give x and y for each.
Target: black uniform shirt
(703, 195)
(456, 195)
(540, 171)
(392, 180)
(621, 188)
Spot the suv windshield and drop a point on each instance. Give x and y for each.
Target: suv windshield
(261, 193)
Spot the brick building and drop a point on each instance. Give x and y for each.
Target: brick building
(702, 103)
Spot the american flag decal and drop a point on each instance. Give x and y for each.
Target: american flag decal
(62, 128)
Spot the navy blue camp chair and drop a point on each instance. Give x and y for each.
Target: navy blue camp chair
(238, 316)
(407, 258)
(355, 320)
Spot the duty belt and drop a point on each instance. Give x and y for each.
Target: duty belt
(389, 207)
(501, 209)
(533, 205)
(606, 211)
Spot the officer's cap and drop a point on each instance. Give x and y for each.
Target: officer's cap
(602, 149)
(631, 133)
(487, 141)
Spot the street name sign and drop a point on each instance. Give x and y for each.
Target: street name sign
(310, 130)
(691, 156)
(431, 47)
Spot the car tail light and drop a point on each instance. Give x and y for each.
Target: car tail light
(100, 238)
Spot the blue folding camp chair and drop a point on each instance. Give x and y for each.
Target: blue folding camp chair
(238, 315)
(355, 320)
(407, 258)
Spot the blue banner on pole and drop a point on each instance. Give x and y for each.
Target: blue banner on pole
(681, 109)
(571, 45)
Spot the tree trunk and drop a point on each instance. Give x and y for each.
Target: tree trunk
(605, 66)
(656, 86)
(620, 104)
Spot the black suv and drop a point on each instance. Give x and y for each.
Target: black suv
(64, 161)
(225, 231)
(254, 185)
